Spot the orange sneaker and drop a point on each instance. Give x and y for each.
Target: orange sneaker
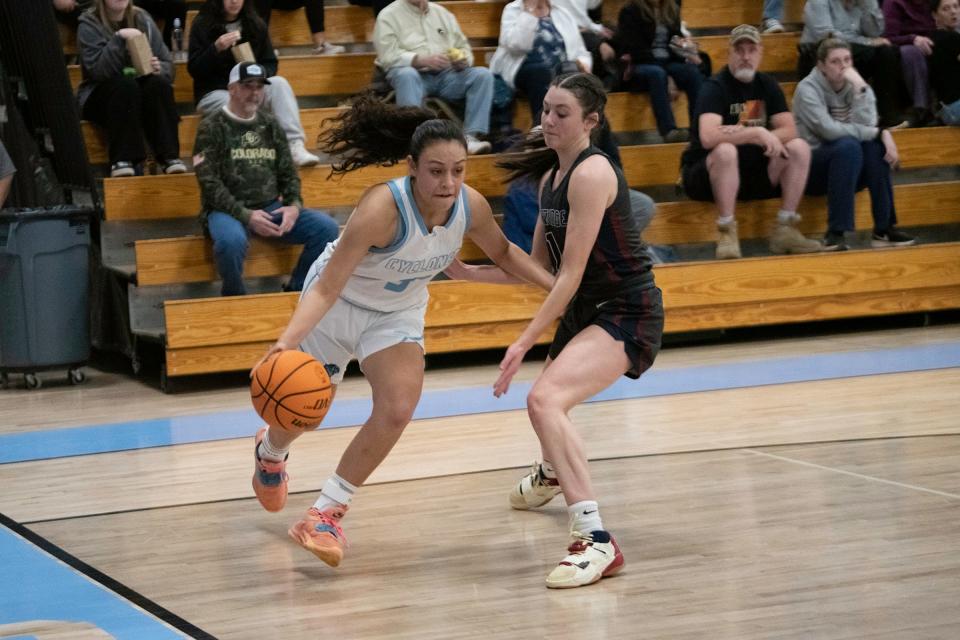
(269, 479)
(319, 533)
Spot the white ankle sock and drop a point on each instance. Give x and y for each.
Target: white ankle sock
(787, 217)
(547, 470)
(267, 451)
(725, 220)
(585, 516)
(336, 491)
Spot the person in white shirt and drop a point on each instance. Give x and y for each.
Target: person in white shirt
(424, 53)
(538, 40)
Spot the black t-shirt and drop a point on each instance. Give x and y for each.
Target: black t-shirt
(944, 66)
(750, 104)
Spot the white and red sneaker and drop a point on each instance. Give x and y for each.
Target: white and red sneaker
(590, 557)
(534, 490)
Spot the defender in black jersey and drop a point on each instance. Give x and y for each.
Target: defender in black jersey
(612, 313)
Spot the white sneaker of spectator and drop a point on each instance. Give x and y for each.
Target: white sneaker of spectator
(771, 25)
(475, 146)
(174, 166)
(302, 157)
(122, 169)
(328, 49)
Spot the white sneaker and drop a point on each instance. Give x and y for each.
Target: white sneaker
(302, 157)
(590, 557)
(475, 146)
(174, 166)
(122, 169)
(771, 25)
(533, 490)
(328, 49)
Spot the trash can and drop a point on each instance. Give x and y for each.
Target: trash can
(44, 288)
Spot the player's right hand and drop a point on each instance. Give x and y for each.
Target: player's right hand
(277, 347)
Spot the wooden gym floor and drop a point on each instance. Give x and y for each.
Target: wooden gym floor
(787, 488)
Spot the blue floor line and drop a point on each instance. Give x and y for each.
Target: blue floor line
(36, 586)
(83, 440)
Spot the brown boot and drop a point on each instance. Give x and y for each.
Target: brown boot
(787, 239)
(728, 245)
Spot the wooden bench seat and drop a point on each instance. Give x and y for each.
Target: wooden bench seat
(349, 73)
(644, 165)
(229, 334)
(625, 112)
(190, 258)
(478, 19)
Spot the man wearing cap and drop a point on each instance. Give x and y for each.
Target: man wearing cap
(423, 51)
(249, 183)
(744, 146)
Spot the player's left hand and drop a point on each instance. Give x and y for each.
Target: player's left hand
(508, 367)
(290, 215)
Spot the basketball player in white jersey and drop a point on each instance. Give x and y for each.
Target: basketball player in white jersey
(366, 295)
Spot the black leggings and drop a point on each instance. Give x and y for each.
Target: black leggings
(129, 108)
(314, 10)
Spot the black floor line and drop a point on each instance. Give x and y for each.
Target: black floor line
(120, 589)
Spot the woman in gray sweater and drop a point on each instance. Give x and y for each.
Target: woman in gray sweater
(835, 111)
(860, 23)
(112, 95)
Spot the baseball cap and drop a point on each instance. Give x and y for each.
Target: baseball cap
(248, 71)
(745, 32)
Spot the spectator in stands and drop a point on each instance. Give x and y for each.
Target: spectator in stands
(537, 42)
(68, 12)
(596, 37)
(945, 62)
(860, 23)
(111, 95)
(772, 16)
(648, 32)
(219, 27)
(6, 173)
(836, 114)
(744, 145)
(376, 5)
(424, 53)
(909, 24)
(249, 184)
(314, 10)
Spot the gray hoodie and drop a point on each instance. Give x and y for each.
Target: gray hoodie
(825, 18)
(823, 115)
(103, 53)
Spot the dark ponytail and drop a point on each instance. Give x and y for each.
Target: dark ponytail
(375, 132)
(531, 158)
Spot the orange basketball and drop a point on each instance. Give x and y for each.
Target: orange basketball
(291, 390)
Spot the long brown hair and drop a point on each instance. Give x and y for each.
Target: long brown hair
(531, 158)
(129, 19)
(659, 11)
(372, 131)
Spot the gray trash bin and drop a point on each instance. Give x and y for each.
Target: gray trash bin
(44, 292)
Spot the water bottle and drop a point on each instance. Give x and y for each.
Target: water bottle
(176, 42)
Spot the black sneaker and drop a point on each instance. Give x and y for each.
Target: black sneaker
(834, 241)
(892, 237)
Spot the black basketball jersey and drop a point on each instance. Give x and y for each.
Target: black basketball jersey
(619, 257)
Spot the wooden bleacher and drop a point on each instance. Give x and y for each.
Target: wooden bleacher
(206, 335)
(479, 20)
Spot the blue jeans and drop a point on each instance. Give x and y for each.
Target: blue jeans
(773, 9)
(951, 113)
(473, 84)
(313, 229)
(842, 167)
(534, 79)
(653, 79)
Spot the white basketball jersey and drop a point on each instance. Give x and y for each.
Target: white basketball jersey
(396, 277)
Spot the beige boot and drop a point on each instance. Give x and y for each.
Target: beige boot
(787, 239)
(728, 245)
